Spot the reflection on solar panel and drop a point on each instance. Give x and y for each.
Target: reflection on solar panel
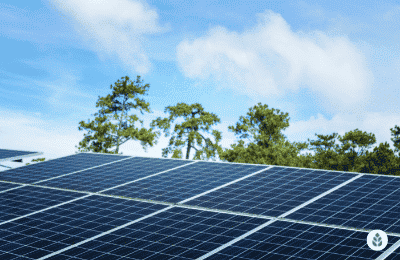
(10, 155)
(97, 206)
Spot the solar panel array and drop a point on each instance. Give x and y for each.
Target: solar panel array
(102, 206)
(10, 155)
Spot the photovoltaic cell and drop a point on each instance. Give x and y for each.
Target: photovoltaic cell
(111, 175)
(6, 186)
(47, 169)
(43, 233)
(370, 202)
(6, 155)
(185, 182)
(25, 200)
(286, 240)
(177, 233)
(272, 192)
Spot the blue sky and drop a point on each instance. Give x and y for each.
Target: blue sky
(334, 66)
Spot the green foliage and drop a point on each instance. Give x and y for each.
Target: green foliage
(262, 127)
(396, 137)
(381, 161)
(351, 158)
(345, 157)
(188, 133)
(37, 160)
(326, 156)
(353, 155)
(103, 134)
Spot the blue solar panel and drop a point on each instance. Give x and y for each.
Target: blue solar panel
(111, 175)
(177, 233)
(272, 192)
(5, 186)
(44, 170)
(185, 182)
(286, 240)
(46, 232)
(6, 155)
(25, 200)
(370, 202)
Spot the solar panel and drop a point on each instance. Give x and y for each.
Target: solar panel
(11, 155)
(112, 175)
(183, 183)
(370, 202)
(149, 208)
(57, 167)
(272, 192)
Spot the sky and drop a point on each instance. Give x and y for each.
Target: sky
(333, 66)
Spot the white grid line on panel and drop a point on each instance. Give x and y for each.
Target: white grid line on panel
(236, 239)
(22, 185)
(389, 251)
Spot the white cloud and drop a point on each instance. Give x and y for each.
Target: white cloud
(115, 28)
(271, 59)
(29, 132)
(376, 123)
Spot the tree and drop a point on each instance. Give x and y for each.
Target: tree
(381, 161)
(190, 131)
(344, 157)
(396, 137)
(350, 141)
(267, 145)
(326, 152)
(103, 134)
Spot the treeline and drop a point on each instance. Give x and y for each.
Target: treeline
(259, 134)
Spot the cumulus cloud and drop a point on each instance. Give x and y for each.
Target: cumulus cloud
(271, 59)
(115, 28)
